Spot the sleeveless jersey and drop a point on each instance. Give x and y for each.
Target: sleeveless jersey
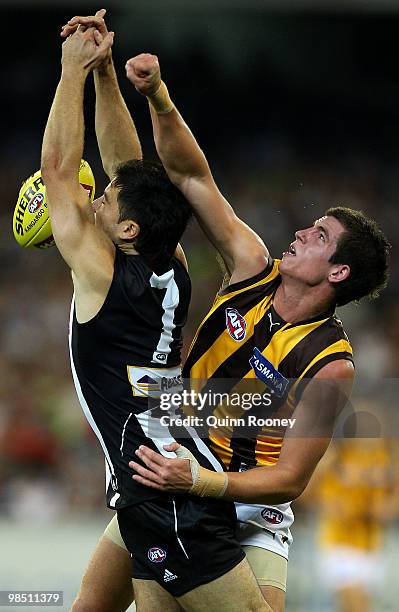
(243, 344)
(123, 359)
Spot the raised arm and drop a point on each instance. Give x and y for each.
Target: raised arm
(242, 250)
(115, 130)
(85, 248)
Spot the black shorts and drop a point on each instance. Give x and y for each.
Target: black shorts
(181, 541)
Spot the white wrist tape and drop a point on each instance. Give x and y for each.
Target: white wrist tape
(206, 483)
(161, 101)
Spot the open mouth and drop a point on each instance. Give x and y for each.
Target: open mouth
(291, 251)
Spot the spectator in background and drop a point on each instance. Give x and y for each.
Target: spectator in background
(355, 493)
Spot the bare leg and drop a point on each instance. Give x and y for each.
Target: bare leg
(150, 596)
(107, 583)
(275, 597)
(235, 591)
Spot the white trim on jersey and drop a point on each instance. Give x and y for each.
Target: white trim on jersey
(204, 450)
(108, 475)
(86, 408)
(123, 433)
(114, 499)
(169, 305)
(160, 435)
(155, 431)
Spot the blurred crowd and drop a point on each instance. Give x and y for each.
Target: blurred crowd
(50, 462)
(43, 434)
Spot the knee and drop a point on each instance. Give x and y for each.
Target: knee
(83, 604)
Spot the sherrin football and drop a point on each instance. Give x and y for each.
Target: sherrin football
(31, 221)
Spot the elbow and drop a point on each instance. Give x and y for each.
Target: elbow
(293, 489)
(50, 165)
(283, 495)
(53, 167)
(290, 488)
(296, 490)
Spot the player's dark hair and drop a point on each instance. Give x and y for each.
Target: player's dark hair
(147, 196)
(365, 249)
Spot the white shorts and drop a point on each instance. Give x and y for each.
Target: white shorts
(267, 527)
(344, 566)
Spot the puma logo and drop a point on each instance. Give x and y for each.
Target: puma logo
(269, 314)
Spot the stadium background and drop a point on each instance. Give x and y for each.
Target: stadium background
(296, 105)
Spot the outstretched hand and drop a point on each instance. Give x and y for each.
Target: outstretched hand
(97, 27)
(87, 48)
(91, 21)
(144, 72)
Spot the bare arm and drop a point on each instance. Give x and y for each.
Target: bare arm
(240, 247)
(115, 130)
(303, 447)
(71, 215)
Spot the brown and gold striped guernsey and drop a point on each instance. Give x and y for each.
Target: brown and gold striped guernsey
(242, 338)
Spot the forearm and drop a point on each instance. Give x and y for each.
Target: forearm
(264, 485)
(115, 130)
(175, 143)
(63, 139)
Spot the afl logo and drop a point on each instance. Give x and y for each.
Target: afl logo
(156, 555)
(272, 516)
(236, 324)
(36, 202)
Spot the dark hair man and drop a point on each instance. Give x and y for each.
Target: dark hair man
(130, 304)
(288, 338)
(288, 329)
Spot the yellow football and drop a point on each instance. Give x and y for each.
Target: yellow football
(31, 221)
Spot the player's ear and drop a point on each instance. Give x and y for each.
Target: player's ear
(338, 273)
(129, 230)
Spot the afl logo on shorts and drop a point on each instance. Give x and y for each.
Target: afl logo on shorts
(272, 516)
(156, 555)
(36, 202)
(236, 324)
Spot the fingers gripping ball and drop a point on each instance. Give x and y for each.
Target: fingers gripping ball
(31, 221)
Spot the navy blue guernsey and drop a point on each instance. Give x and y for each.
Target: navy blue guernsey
(122, 359)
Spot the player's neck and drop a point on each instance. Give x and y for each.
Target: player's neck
(293, 302)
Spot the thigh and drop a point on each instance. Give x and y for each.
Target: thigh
(270, 571)
(275, 598)
(150, 596)
(107, 582)
(235, 591)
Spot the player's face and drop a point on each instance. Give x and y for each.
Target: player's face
(307, 258)
(106, 210)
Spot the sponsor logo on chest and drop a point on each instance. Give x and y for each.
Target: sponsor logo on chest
(267, 373)
(235, 324)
